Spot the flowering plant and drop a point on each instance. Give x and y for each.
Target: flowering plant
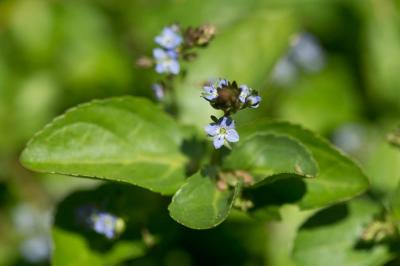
(157, 159)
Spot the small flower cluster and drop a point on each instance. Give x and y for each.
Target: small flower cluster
(175, 44)
(166, 57)
(230, 98)
(101, 222)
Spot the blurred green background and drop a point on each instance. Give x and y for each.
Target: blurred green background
(331, 66)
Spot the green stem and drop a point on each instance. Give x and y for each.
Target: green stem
(216, 157)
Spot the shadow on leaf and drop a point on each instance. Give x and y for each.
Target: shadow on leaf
(269, 197)
(329, 216)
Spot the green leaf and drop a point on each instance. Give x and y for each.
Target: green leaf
(268, 199)
(264, 156)
(332, 237)
(244, 52)
(339, 178)
(72, 249)
(119, 139)
(200, 204)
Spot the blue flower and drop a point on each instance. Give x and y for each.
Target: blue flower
(210, 92)
(169, 38)
(158, 91)
(106, 224)
(222, 83)
(254, 101)
(249, 96)
(166, 61)
(223, 130)
(244, 93)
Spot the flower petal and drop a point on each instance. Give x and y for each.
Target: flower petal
(244, 92)
(223, 121)
(232, 135)
(172, 54)
(222, 83)
(159, 53)
(160, 68)
(174, 67)
(218, 141)
(210, 93)
(212, 129)
(254, 101)
(230, 123)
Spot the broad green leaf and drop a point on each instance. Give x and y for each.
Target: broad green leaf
(244, 52)
(268, 199)
(72, 249)
(332, 237)
(264, 156)
(339, 178)
(119, 139)
(200, 204)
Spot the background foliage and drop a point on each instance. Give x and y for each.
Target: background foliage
(330, 66)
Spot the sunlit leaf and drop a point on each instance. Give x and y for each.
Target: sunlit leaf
(121, 139)
(200, 204)
(264, 156)
(338, 179)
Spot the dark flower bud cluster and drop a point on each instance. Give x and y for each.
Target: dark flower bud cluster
(230, 98)
(175, 44)
(199, 36)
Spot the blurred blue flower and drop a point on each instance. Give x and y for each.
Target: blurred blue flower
(308, 53)
(169, 38)
(105, 224)
(166, 61)
(254, 101)
(221, 131)
(158, 91)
